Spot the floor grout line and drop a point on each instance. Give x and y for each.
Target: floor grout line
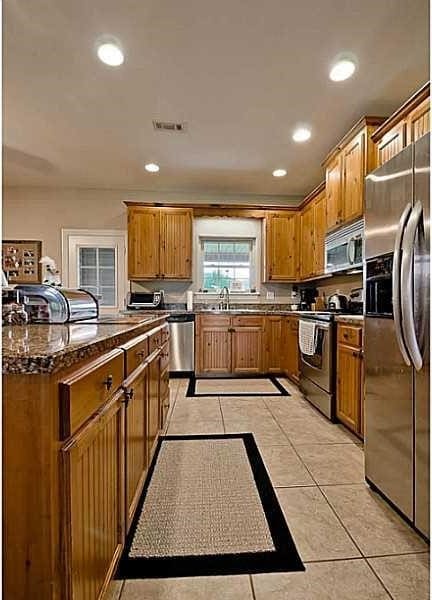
(379, 578)
(252, 587)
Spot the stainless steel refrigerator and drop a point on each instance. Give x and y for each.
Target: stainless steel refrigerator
(397, 271)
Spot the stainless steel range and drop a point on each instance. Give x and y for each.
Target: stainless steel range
(317, 371)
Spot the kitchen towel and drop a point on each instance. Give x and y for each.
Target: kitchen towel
(307, 337)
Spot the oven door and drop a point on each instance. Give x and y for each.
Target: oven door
(318, 368)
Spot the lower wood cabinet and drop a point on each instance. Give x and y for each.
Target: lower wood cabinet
(93, 487)
(273, 344)
(291, 348)
(349, 389)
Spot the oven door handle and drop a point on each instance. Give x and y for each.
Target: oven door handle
(396, 283)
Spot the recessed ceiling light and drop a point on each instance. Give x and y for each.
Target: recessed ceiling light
(152, 167)
(110, 54)
(279, 173)
(342, 69)
(301, 134)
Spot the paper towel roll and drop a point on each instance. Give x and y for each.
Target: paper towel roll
(189, 300)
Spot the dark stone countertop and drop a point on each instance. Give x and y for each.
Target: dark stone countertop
(43, 348)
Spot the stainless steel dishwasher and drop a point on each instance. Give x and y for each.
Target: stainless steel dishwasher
(182, 344)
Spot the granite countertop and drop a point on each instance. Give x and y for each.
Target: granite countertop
(43, 348)
(350, 319)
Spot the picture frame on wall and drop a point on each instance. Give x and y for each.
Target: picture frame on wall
(20, 261)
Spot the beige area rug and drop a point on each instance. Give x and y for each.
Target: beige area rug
(208, 507)
(238, 386)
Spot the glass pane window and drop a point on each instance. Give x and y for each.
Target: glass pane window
(97, 273)
(229, 263)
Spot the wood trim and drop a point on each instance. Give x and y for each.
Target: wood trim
(402, 112)
(224, 210)
(317, 190)
(355, 129)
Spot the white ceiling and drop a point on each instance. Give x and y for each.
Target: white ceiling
(242, 74)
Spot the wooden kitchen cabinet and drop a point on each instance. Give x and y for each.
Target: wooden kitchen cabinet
(346, 168)
(273, 344)
(93, 505)
(349, 389)
(281, 246)
(353, 178)
(291, 349)
(307, 252)
(334, 209)
(406, 125)
(159, 243)
(229, 345)
(320, 228)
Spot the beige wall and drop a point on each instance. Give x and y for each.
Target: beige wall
(41, 213)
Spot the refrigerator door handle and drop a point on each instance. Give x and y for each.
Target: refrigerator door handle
(396, 284)
(408, 322)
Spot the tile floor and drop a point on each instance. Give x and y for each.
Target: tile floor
(353, 545)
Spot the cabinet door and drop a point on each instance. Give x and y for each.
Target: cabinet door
(273, 344)
(292, 351)
(281, 246)
(143, 243)
(319, 233)
(353, 182)
(418, 121)
(214, 349)
(153, 407)
(392, 143)
(247, 345)
(349, 383)
(176, 243)
(334, 193)
(137, 390)
(93, 493)
(307, 242)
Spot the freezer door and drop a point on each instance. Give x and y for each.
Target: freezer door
(421, 311)
(388, 191)
(388, 415)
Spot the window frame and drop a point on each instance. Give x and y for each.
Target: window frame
(229, 239)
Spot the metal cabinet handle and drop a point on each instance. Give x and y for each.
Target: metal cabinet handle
(396, 283)
(108, 382)
(128, 395)
(408, 322)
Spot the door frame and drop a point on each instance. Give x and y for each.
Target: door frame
(117, 235)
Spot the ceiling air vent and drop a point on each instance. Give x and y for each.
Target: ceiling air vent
(169, 126)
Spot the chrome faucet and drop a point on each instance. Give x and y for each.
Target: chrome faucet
(224, 298)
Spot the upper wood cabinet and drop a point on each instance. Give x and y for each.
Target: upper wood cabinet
(307, 251)
(313, 229)
(346, 167)
(334, 192)
(280, 246)
(403, 127)
(159, 243)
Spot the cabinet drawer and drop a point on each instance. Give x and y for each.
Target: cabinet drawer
(249, 321)
(136, 351)
(350, 334)
(214, 321)
(164, 356)
(85, 391)
(156, 336)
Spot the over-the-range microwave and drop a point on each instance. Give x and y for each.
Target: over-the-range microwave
(344, 248)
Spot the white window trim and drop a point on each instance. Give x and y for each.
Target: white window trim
(120, 235)
(254, 264)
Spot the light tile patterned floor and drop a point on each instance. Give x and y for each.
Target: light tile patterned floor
(354, 546)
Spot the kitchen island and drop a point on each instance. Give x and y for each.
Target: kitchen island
(83, 405)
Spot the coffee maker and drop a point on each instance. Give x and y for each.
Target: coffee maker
(307, 298)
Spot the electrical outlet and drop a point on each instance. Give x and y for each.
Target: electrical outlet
(270, 295)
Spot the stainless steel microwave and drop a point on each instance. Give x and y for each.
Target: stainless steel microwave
(344, 248)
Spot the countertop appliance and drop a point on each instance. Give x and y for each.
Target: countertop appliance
(338, 302)
(307, 297)
(145, 300)
(317, 372)
(48, 304)
(397, 244)
(344, 248)
(182, 344)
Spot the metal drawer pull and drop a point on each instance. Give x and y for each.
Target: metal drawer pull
(128, 395)
(108, 382)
